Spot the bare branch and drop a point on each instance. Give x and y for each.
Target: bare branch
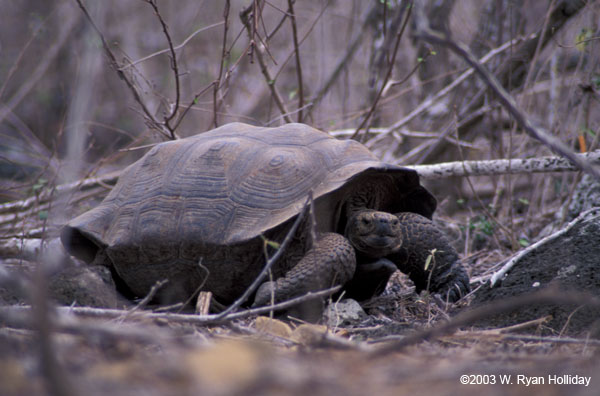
(153, 122)
(344, 60)
(422, 107)
(183, 44)
(298, 64)
(389, 72)
(43, 64)
(217, 83)
(261, 276)
(522, 119)
(263, 66)
(174, 66)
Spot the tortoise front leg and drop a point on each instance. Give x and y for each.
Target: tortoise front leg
(370, 279)
(330, 262)
(422, 239)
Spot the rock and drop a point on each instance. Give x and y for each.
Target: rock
(585, 197)
(346, 312)
(568, 260)
(84, 286)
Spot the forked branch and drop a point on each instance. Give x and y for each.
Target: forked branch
(522, 119)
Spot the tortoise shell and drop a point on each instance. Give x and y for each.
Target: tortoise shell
(195, 210)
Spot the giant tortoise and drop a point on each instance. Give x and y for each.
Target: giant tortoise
(197, 211)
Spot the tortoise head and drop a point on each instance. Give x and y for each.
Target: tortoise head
(374, 233)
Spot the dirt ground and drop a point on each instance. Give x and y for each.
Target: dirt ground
(136, 354)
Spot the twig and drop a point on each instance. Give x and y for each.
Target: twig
(304, 37)
(45, 195)
(217, 83)
(55, 376)
(263, 66)
(261, 276)
(23, 50)
(517, 327)
(585, 216)
(148, 297)
(465, 318)
(183, 44)
(399, 35)
(174, 66)
(344, 61)
(66, 321)
(425, 105)
(112, 60)
(292, 16)
(557, 340)
(192, 103)
(43, 63)
(522, 119)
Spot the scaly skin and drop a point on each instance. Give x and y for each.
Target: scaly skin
(407, 240)
(330, 262)
(376, 243)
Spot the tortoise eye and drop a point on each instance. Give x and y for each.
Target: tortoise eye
(365, 221)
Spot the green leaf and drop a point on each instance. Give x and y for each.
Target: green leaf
(292, 94)
(589, 131)
(39, 184)
(580, 42)
(429, 258)
(273, 244)
(524, 242)
(43, 214)
(270, 243)
(524, 201)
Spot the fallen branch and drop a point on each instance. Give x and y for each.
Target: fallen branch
(6, 312)
(108, 179)
(502, 166)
